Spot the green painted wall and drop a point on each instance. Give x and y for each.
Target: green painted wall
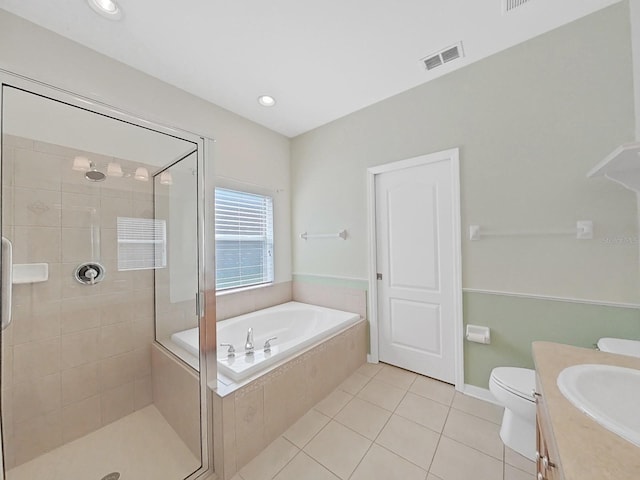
(530, 122)
(516, 322)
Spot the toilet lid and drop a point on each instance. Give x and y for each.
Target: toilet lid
(520, 381)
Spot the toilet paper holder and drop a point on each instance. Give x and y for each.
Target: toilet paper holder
(478, 334)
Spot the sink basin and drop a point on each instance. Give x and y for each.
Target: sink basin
(606, 393)
(620, 346)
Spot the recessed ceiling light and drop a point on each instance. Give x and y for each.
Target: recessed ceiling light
(266, 100)
(106, 8)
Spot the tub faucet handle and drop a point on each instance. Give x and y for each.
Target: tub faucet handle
(248, 346)
(232, 351)
(267, 344)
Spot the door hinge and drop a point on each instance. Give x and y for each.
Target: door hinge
(379, 276)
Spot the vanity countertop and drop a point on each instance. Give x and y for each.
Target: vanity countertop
(586, 450)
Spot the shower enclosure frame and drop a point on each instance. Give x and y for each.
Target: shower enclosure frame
(205, 309)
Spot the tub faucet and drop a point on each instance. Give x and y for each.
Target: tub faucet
(231, 352)
(248, 346)
(267, 344)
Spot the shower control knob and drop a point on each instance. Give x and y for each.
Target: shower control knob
(89, 273)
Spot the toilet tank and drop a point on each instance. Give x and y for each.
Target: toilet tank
(620, 346)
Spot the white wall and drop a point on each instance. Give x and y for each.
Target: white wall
(530, 122)
(243, 151)
(60, 124)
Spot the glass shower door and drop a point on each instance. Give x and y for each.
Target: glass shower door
(86, 391)
(176, 354)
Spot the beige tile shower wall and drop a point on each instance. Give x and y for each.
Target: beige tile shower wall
(75, 357)
(176, 394)
(230, 305)
(250, 418)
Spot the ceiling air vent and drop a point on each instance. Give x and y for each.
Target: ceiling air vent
(432, 62)
(443, 56)
(510, 5)
(450, 54)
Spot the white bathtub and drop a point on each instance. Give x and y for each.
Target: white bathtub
(297, 326)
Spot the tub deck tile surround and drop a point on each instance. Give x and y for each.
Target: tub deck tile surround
(176, 395)
(286, 393)
(330, 442)
(256, 414)
(233, 304)
(339, 297)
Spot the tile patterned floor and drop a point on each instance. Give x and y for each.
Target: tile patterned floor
(141, 445)
(387, 423)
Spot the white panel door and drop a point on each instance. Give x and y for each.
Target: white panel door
(416, 265)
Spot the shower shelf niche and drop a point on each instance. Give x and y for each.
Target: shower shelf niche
(30, 272)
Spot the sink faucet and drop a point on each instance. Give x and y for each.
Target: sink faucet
(248, 346)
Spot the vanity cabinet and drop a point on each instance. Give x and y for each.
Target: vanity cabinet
(575, 446)
(547, 460)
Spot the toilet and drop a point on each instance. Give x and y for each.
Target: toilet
(621, 346)
(513, 387)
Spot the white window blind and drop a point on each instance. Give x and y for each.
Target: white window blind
(142, 243)
(244, 239)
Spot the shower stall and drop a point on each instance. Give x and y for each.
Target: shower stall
(102, 260)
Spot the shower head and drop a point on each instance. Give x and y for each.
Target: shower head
(94, 175)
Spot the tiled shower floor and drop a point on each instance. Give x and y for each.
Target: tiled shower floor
(387, 423)
(141, 446)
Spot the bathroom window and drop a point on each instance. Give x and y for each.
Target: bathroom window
(142, 243)
(244, 239)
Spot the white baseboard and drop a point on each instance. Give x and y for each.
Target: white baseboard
(481, 393)
(471, 390)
